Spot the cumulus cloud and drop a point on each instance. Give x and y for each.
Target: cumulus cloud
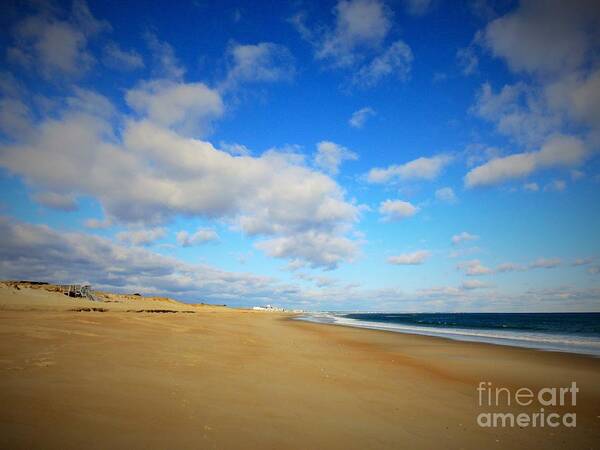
(56, 201)
(119, 59)
(518, 112)
(554, 43)
(558, 151)
(358, 24)
(319, 249)
(149, 172)
(235, 148)
(544, 36)
(186, 107)
(392, 210)
(356, 41)
(463, 237)
(422, 168)
(262, 62)
(396, 60)
(446, 195)
(38, 252)
(467, 60)
(199, 237)
(97, 224)
(474, 268)
(556, 186)
(166, 63)
(53, 46)
(409, 259)
(531, 187)
(360, 117)
(142, 236)
(577, 95)
(15, 117)
(319, 280)
(330, 155)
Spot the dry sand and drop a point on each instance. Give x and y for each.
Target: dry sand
(223, 378)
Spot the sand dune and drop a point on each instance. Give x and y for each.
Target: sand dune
(224, 378)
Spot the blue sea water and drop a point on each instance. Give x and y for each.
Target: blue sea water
(565, 332)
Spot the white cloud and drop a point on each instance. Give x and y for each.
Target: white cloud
(187, 107)
(119, 59)
(554, 44)
(56, 201)
(396, 60)
(556, 186)
(319, 249)
(558, 151)
(518, 111)
(360, 117)
(397, 209)
(199, 237)
(446, 194)
(38, 252)
(15, 117)
(577, 94)
(330, 155)
(467, 60)
(577, 174)
(262, 62)
(474, 268)
(463, 237)
(545, 263)
(419, 169)
(543, 36)
(97, 224)
(414, 258)
(356, 41)
(166, 64)
(318, 280)
(142, 236)
(235, 149)
(531, 187)
(148, 173)
(358, 24)
(56, 47)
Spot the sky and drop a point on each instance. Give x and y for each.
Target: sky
(410, 156)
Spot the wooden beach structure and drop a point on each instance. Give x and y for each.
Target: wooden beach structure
(78, 290)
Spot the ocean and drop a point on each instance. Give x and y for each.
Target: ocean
(564, 332)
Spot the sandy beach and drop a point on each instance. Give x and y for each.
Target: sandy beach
(198, 376)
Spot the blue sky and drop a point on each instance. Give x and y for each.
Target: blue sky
(360, 154)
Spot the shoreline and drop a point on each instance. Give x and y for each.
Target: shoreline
(547, 342)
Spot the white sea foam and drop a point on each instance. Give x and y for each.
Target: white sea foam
(587, 345)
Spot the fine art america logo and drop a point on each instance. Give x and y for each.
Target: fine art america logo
(540, 404)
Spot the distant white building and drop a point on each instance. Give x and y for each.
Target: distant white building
(268, 308)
